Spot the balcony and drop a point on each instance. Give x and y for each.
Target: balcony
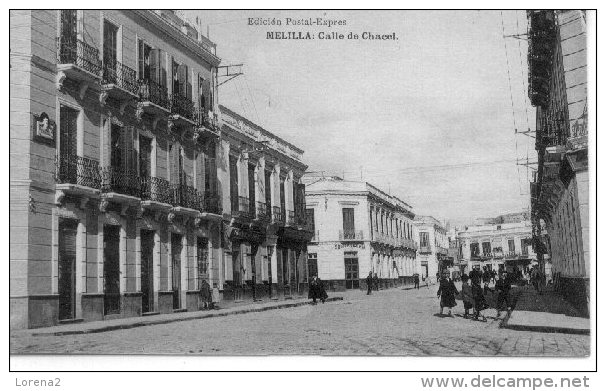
(262, 212)
(241, 208)
(77, 61)
(212, 204)
(291, 218)
(277, 217)
(424, 249)
(183, 112)
(153, 99)
(118, 82)
(76, 175)
(120, 184)
(156, 193)
(351, 235)
(205, 125)
(187, 199)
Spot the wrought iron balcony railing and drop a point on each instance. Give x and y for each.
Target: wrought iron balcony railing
(114, 72)
(78, 170)
(119, 180)
(156, 189)
(184, 107)
(262, 212)
(79, 53)
(150, 91)
(290, 218)
(351, 235)
(243, 208)
(212, 203)
(276, 215)
(187, 197)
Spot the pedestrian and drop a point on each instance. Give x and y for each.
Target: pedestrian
(205, 295)
(416, 280)
(479, 301)
(215, 297)
(369, 283)
(375, 282)
(447, 293)
(466, 295)
(321, 291)
(475, 276)
(314, 290)
(494, 276)
(502, 287)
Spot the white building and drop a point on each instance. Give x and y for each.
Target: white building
(433, 246)
(497, 246)
(358, 229)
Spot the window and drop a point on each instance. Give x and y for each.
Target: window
(424, 239)
(485, 248)
(210, 169)
(202, 253)
(152, 64)
(251, 187)
(348, 221)
(204, 94)
(233, 182)
(268, 188)
(145, 55)
(511, 245)
(475, 249)
(110, 45)
(181, 81)
(68, 131)
(145, 152)
(312, 265)
(282, 197)
(309, 213)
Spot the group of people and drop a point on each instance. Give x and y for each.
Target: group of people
(474, 295)
(316, 290)
(372, 283)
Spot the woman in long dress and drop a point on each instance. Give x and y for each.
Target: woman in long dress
(447, 293)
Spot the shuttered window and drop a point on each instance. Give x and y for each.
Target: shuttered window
(110, 44)
(348, 220)
(251, 186)
(268, 188)
(233, 182)
(68, 132)
(145, 152)
(122, 148)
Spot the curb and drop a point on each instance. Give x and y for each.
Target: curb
(152, 322)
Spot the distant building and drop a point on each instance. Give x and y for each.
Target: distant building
(497, 246)
(557, 75)
(433, 247)
(358, 229)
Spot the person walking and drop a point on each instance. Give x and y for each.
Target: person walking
(479, 301)
(475, 276)
(447, 293)
(375, 282)
(314, 291)
(416, 280)
(502, 287)
(369, 283)
(205, 295)
(466, 295)
(322, 295)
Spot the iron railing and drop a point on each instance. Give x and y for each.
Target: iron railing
(351, 235)
(184, 107)
(79, 53)
(212, 203)
(151, 91)
(156, 189)
(119, 180)
(187, 197)
(243, 208)
(262, 211)
(78, 170)
(114, 72)
(276, 215)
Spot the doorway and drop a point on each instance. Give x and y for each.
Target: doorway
(111, 269)
(176, 248)
(67, 269)
(147, 270)
(352, 270)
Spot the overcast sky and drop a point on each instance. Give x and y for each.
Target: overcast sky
(386, 110)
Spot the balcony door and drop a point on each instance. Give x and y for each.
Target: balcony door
(251, 189)
(68, 143)
(147, 270)
(349, 226)
(111, 269)
(233, 183)
(176, 248)
(110, 52)
(69, 36)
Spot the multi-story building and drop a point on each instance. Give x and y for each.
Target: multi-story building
(358, 229)
(121, 174)
(265, 227)
(557, 72)
(433, 247)
(497, 246)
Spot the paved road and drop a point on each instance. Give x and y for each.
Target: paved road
(390, 322)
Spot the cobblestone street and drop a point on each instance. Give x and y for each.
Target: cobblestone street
(389, 322)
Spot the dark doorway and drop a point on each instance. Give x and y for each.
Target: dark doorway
(67, 269)
(176, 247)
(203, 261)
(111, 269)
(147, 270)
(352, 270)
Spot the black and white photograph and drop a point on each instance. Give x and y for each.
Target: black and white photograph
(330, 183)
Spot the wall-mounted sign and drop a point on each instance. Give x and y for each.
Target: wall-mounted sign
(44, 127)
(339, 246)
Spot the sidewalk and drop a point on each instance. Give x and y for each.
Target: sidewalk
(128, 323)
(548, 312)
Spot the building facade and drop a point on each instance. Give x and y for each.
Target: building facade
(358, 229)
(497, 247)
(121, 190)
(433, 247)
(557, 61)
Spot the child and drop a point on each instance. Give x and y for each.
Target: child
(466, 295)
(479, 302)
